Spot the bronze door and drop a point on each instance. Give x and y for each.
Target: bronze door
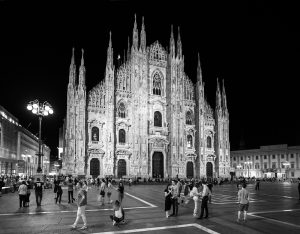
(158, 165)
(209, 170)
(94, 167)
(121, 168)
(189, 170)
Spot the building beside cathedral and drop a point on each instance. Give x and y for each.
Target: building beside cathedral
(145, 118)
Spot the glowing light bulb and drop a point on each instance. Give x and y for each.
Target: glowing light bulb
(29, 107)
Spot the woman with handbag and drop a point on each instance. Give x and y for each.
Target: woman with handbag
(195, 195)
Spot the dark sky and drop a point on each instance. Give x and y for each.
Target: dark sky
(254, 46)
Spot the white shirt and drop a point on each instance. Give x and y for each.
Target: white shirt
(205, 191)
(118, 213)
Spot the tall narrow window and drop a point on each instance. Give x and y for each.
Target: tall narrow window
(157, 119)
(122, 136)
(156, 84)
(188, 118)
(208, 139)
(121, 110)
(189, 141)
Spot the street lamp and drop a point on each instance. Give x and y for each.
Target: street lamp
(41, 110)
(248, 163)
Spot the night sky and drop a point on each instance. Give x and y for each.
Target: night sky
(254, 47)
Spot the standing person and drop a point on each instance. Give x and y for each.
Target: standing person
(121, 192)
(28, 193)
(195, 195)
(257, 184)
(210, 185)
(70, 191)
(102, 192)
(59, 192)
(175, 195)
(38, 187)
(1, 185)
(109, 189)
(205, 194)
(22, 193)
(168, 199)
(130, 182)
(81, 203)
(243, 200)
(299, 187)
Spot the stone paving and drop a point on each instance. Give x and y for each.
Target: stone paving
(273, 209)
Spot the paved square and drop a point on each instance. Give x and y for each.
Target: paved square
(274, 209)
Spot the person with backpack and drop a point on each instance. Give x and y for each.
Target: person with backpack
(38, 187)
(59, 192)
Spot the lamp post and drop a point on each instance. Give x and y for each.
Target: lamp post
(248, 163)
(41, 110)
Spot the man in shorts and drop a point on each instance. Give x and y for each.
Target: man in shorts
(243, 200)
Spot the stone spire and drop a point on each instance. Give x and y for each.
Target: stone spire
(218, 97)
(72, 73)
(135, 36)
(82, 70)
(109, 60)
(143, 37)
(224, 99)
(172, 43)
(128, 50)
(179, 45)
(199, 71)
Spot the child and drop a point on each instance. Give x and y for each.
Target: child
(119, 214)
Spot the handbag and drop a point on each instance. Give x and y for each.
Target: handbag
(102, 193)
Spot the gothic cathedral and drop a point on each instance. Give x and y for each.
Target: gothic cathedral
(146, 118)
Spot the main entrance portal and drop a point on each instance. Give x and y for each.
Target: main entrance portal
(121, 168)
(189, 170)
(158, 165)
(209, 170)
(94, 167)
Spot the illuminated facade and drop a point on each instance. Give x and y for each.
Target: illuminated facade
(273, 161)
(145, 118)
(18, 148)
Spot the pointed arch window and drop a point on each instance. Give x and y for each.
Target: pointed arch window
(157, 84)
(122, 110)
(122, 136)
(189, 141)
(188, 118)
(95, 134)
(208, 142)
(157, 119)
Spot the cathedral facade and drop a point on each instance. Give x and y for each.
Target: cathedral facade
(145, 118)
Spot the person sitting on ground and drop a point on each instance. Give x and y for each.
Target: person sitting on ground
(119, 214)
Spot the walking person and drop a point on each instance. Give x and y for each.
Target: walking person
(109, 189)
(243, 200)
(257, 184)
(22, 193)
(168, 199)
(102, 192)
(38, 187)
(81, 203)
(299, 187)
(70, 191)
(175, 195)
(195, 196)
(121, 192)
(205, 194)
(210, 186)
(28, 193)
(59, 192)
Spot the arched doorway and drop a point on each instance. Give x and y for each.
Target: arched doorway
(189, 170)
(209, 170)
(121, 168)
(158, 165)
(94, 167)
